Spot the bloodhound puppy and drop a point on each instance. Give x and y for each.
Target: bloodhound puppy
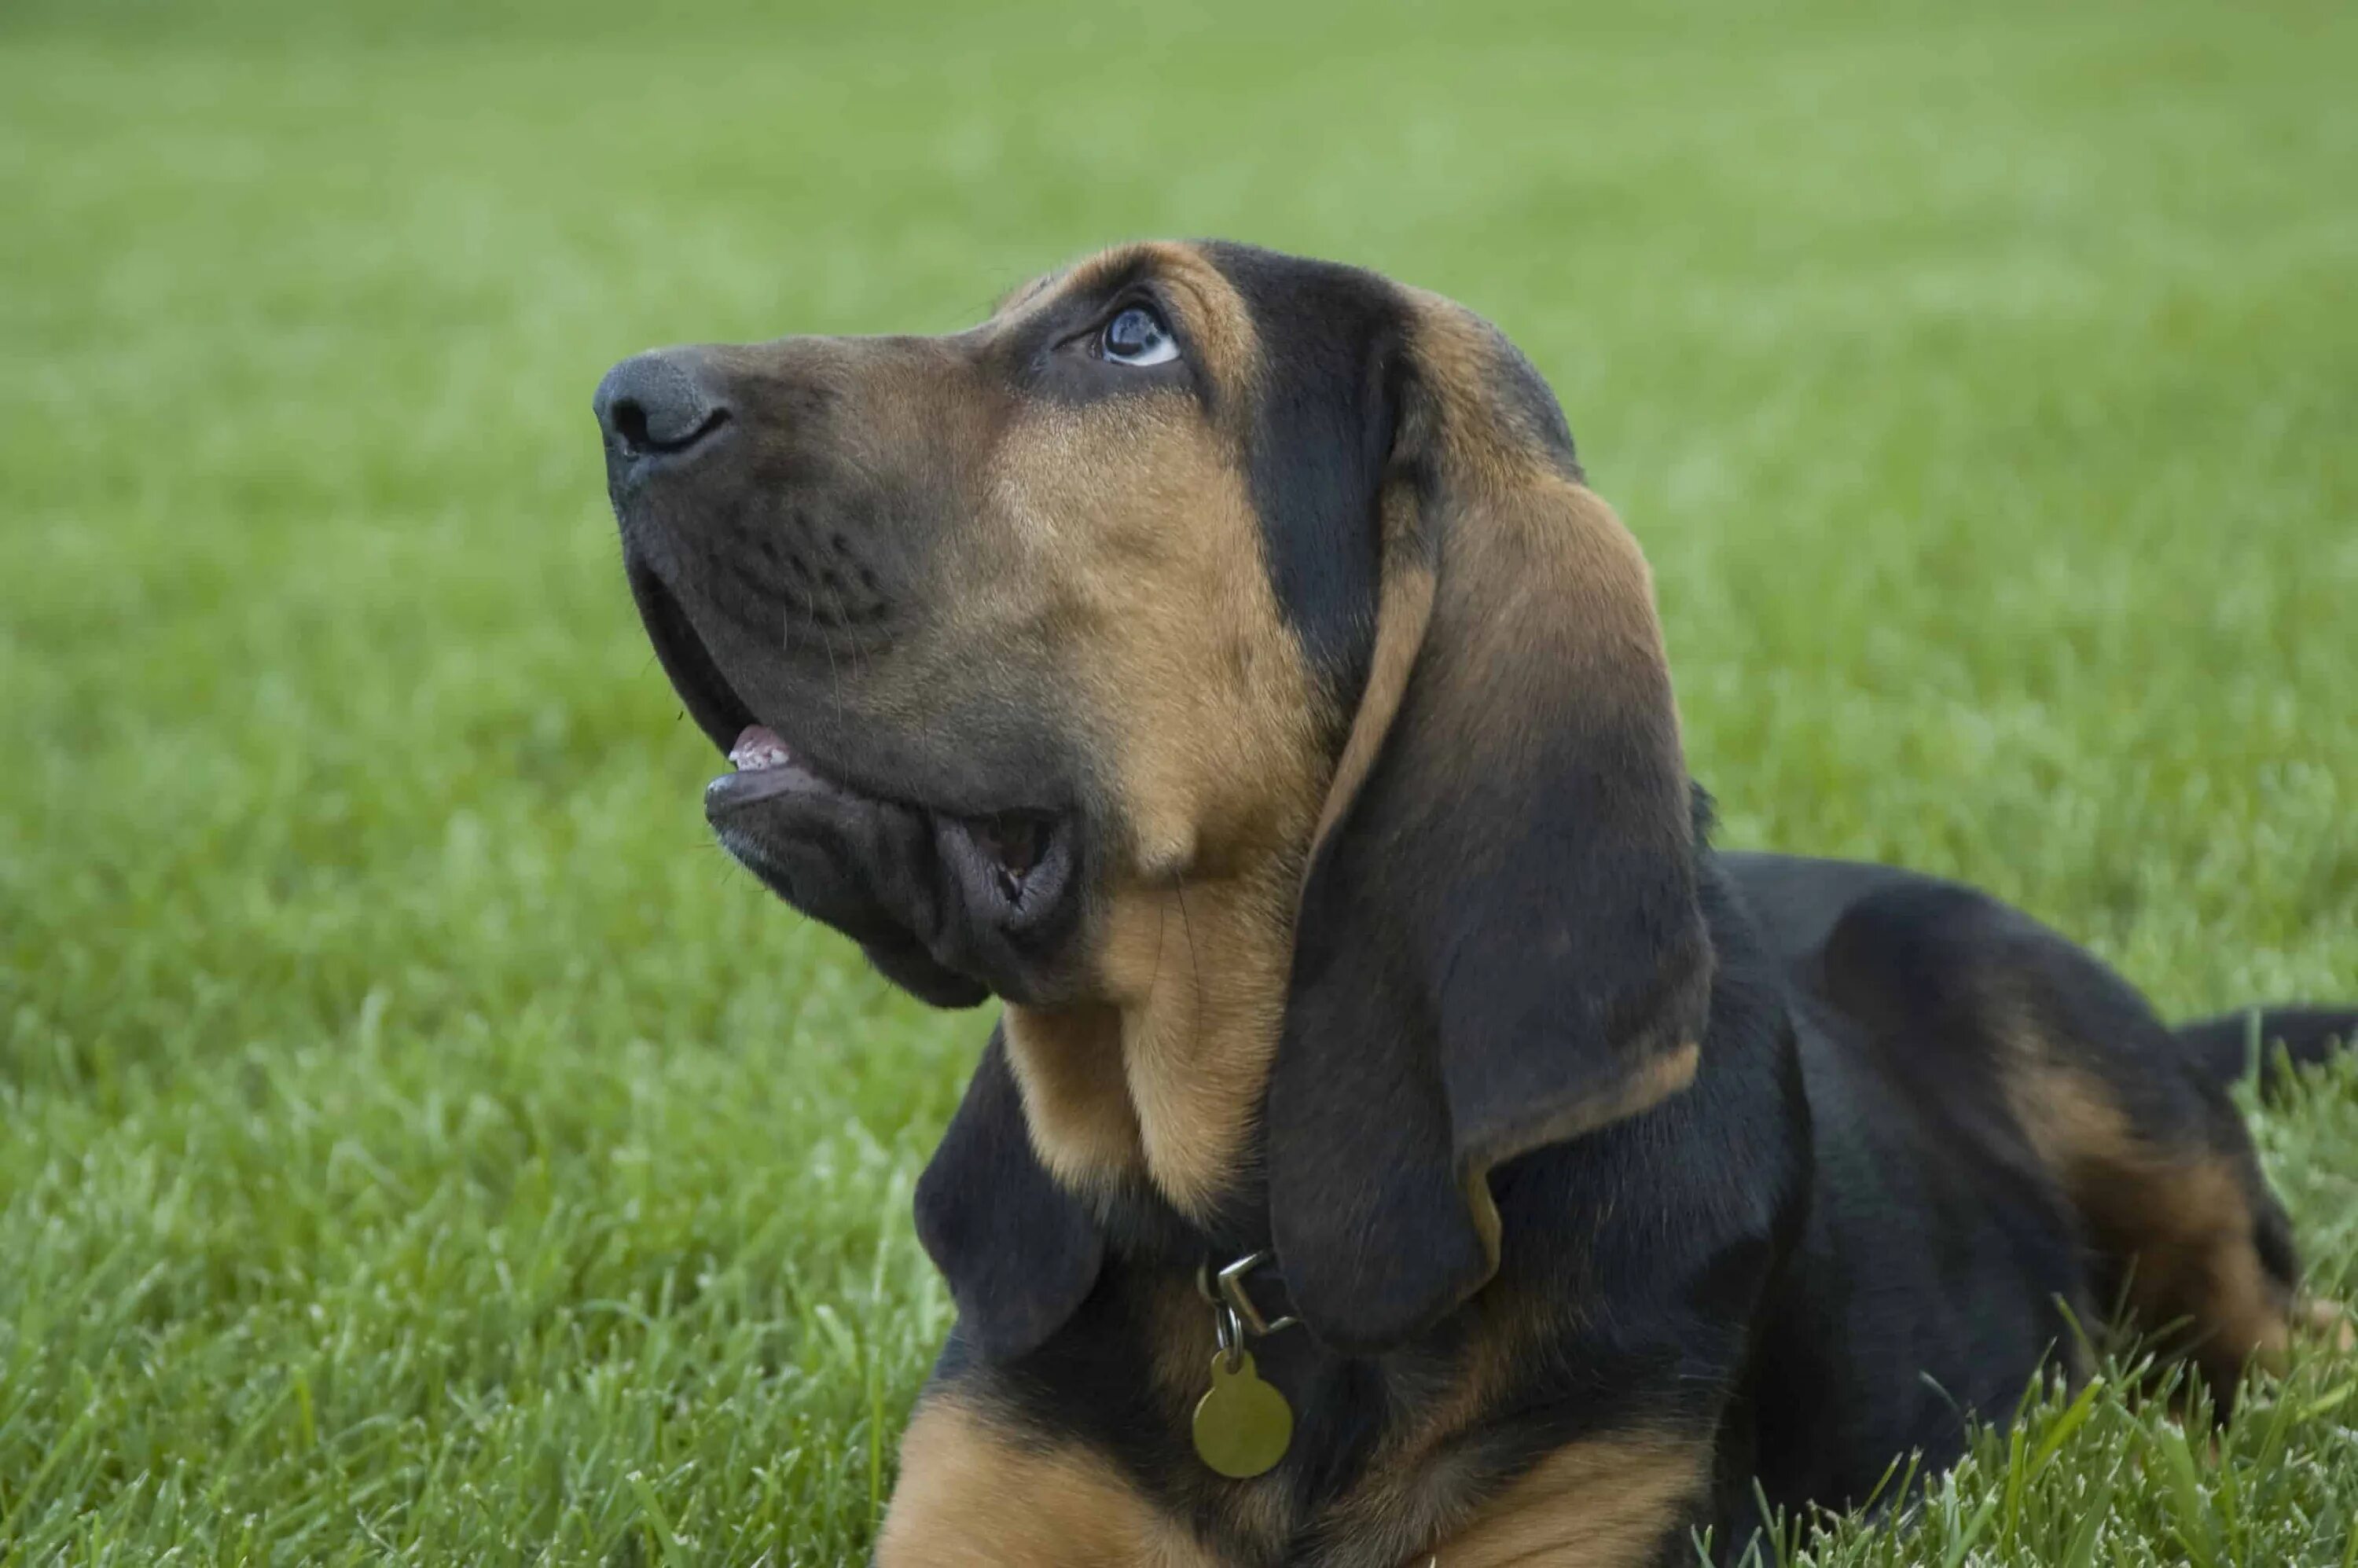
(1404, 1138)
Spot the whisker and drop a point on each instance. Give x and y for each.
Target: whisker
(1162, 919)
(1179, 886)
(827, 641)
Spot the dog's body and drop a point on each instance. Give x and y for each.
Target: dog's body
(1923, 1130)
(1219, 657)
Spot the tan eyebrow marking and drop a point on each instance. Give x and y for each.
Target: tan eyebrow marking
(1219, 326)
(1224, 336)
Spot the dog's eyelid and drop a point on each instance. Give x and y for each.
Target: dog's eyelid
(1134, 295)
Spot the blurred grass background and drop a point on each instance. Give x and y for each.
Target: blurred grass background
(417, 1144)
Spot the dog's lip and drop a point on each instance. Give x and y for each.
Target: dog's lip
(768, 768)
(1024, 896)
(762, 768)
(764, 764)
(980, 846)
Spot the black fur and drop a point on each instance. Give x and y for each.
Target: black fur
(1019, 1252)
(1662, 1350)
(2228, 1045)
(1331, 350)
(1836, 1244)
(1463, 979)
(1830, 1252)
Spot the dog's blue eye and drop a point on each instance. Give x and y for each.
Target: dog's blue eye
(1138, 337)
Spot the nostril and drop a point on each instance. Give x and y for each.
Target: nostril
(659, 402)
(629, 421)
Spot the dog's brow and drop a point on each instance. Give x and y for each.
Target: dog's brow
(1099, 274)
(1199, 299)
(1025, 293)
(1110, 269)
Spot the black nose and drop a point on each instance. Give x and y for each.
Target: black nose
(658, 404)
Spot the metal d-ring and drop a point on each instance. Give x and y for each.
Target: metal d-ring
(1231, 1335)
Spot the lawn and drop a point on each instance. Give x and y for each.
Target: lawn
(417, 1145)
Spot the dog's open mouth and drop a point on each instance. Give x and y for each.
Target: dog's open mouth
(1016, 856)
(946, 900)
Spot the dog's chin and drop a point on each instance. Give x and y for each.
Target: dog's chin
(952, 908)
(952, 880)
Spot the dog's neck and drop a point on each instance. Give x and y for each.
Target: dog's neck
(1160, 1085)
(1163, 1082)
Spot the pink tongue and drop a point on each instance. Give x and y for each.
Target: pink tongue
(758, 748)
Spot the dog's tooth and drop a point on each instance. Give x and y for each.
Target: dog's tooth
(757, 748)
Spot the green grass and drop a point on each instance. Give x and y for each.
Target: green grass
(417, 1144)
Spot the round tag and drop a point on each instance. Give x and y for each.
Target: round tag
(1242, 1424)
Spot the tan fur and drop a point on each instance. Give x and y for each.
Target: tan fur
(1540, 603)
(1541, 580)
(1180, 1336)
(1426, 1483)
(1550, 602)
(1146, 569)
(1125, 541)
(2182, 1216)
(1117, 578)
(1144, 573)
(1181, 1344)
(1404, 609)
(1416, 1488)
(1068, 1065)
(2328, 1321)
(1208, 967)
(973, 1495)
(1219, 329)
(979, 1494)
(1653, 1082)
(1557, 542)
(1167, 1077)
(1602, 1504)
(1464, 361)
(1224, 341)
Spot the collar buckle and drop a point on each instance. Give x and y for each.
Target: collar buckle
(1229, 1296)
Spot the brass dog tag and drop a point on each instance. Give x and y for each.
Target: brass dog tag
(1242, 1425)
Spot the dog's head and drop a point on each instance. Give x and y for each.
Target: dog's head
(1217, 656)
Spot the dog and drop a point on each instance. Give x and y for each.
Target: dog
(1404, 1138)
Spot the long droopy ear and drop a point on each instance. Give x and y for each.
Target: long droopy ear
(1499, 944)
